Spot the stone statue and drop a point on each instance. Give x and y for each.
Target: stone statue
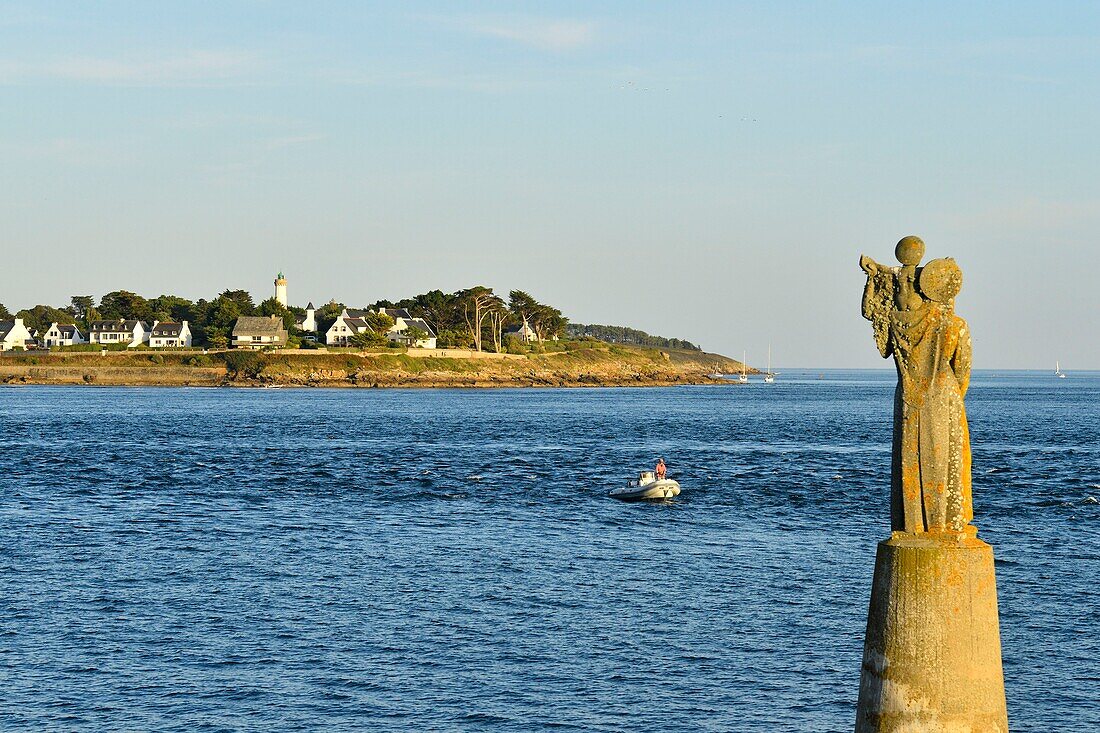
(911, 309)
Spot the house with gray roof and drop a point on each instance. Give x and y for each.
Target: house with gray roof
(122, 331)
(259, 332)
(14, 335)
(345, 328)
(524, 333)
(396, 314)
(62, 334)
(412, 332)
(170, 335)
(403, 322)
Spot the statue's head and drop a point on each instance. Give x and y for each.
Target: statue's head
(910, 250)
(940, 280)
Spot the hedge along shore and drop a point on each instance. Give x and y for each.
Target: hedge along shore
(574, 365)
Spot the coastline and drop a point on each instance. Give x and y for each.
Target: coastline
(602, 365)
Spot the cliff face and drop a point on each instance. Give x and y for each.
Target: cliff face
(573, 365)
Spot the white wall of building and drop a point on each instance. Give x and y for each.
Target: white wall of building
(17, 337)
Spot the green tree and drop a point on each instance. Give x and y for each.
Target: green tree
(225, 310)
(5, 314)
(247, 364)
(380, 323)
(40, 317)
(170, 308)
(81, 305)
(548, 322)
(217, 338)
(513, 345)
(453, 339)
(623, 335)
(522, 306)
(498, 315)
(124, 304)
(242, 299)
(367, 339)
(476, 304)
(412, 334)
(326, 315)
(198, 320)
(442, 311)
(272, 307)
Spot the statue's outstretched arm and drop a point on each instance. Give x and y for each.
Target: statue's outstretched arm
(872, 269)
(878, 301)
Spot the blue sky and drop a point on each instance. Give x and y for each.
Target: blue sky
(703, 170)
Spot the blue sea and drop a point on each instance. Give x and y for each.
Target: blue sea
(448, 560)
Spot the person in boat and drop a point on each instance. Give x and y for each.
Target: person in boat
(660, 469)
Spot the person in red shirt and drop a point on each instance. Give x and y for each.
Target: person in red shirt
(661, 468)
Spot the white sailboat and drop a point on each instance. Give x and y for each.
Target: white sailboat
(769, 377)
(1058, 371)
(717, 373)
(743, 377)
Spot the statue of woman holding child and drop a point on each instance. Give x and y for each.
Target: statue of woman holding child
(911, 309)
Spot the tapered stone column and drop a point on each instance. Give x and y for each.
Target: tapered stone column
(932, 655)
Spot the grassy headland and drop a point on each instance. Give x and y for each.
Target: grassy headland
(564, 364)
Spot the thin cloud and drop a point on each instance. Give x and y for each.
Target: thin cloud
(67, 151)
(542, 33)
(193, 68)
(482, 83)
(274, 143)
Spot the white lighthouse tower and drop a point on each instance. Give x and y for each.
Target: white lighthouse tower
(280, 289)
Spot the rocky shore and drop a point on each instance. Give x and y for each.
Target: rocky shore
(573, 365)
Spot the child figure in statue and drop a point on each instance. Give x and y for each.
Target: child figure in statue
(909, 252)
(892, 288)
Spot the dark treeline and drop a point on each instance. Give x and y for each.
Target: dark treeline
(475, 317)
(624, 335)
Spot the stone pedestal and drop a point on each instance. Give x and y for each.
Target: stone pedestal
(932, 656)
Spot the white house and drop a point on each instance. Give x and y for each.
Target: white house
(308, 322)
(402, 322)
(13, 335)
(62, 334)
(170, 335)
(524, 333)
(345, 328)
(131, 333)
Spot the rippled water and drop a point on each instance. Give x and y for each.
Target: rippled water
(262, 560)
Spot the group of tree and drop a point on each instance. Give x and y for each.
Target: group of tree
(624, 335)
(471, 318)
(479, 318)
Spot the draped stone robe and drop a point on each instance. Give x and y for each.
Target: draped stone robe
(930, 486)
